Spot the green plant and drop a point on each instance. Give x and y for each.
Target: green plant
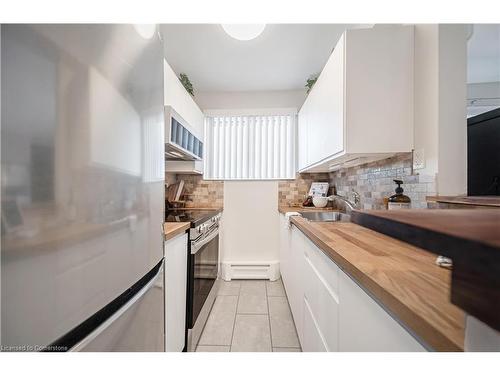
(310, 83)
(186, 83)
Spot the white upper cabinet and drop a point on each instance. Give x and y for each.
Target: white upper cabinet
(325, 111)
(361, 107)
(302, 138)
(176, 96)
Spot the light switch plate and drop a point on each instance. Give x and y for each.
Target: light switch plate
(418, 159)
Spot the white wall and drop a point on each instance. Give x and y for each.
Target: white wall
(452, 167)
(483, 90)
(440, 104)
(251, 99)
(250, 220)
(426, 95)
(486, 96)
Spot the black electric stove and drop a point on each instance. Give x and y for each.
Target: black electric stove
(195, 217)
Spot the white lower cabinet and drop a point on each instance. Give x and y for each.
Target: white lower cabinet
(321, 300)
(285, 250)
(175, 292)
(364, 326)
(312, 339)
(296, 295)
(331, 312)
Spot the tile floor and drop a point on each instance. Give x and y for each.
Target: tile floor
(250, 316)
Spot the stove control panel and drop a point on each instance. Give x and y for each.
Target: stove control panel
(204, 228)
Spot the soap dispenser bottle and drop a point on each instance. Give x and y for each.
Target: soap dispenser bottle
(399, 200)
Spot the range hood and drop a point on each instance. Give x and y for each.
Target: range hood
(180, 143)
(184, 166)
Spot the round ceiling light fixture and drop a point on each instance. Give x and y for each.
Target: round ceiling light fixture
(244, 31)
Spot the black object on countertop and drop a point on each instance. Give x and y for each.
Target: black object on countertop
(195, 216)
(399, 200)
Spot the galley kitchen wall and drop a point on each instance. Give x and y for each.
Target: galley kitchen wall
(249, 241)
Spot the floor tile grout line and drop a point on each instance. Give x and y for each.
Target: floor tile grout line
(234, 320)
(223, 346)
(294, 326)
(269, 318)
(293, 320)
(252, 314)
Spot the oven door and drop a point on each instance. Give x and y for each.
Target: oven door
(204, 265)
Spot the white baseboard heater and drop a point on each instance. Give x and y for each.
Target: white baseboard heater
(250, 270)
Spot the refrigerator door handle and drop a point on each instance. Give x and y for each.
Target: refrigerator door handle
(120, 312)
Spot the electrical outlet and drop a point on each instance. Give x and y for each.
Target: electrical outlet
(418, 159)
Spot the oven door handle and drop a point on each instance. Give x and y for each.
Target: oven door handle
(196, 246)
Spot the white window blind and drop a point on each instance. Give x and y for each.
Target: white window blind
(250, 147)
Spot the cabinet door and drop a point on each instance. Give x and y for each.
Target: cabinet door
(331, 104)
(302, 137)
(312, 340)
(175, 292)
(364, 326)
(284, 252)
(379, 89)
(296, 293)
(321, 293)
(325, 120)
(314, 125)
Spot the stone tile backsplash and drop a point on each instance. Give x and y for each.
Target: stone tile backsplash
(199, 192)
(373, 181)
(294, 192)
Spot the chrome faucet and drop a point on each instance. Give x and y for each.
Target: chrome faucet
(350, 205)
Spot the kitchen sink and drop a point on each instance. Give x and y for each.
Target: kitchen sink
(326, 216)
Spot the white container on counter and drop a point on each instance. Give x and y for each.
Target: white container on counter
(320, 202)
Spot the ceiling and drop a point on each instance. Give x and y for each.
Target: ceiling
(483, 63)
(281, 58)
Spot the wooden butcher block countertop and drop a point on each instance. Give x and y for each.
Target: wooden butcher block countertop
(484, 201)
(170, 230)
(402, 277)
(285, 209)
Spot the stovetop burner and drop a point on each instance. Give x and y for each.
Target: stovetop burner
(195, 217)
